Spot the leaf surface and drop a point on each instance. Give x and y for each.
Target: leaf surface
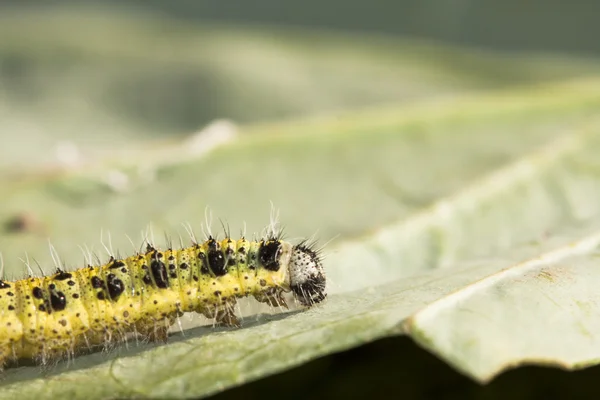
(472, 226)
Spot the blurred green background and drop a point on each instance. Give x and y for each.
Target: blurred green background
(102, 75)
(110, 79)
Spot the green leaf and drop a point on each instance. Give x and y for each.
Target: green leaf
(457, 198)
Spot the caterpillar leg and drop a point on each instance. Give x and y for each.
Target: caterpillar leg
(226, 317)
(223, 314)
(273, 297)
(155, 330)
(5, 355)
(51, 355)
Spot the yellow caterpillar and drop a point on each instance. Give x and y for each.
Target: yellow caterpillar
(44, 318)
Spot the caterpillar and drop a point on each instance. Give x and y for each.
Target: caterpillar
(51, 317)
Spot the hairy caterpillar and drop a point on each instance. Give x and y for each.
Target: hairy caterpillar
(49, 317)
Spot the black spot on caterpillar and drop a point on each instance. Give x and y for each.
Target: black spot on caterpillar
(48, 317)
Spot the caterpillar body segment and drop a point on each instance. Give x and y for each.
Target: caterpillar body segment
(49, 317)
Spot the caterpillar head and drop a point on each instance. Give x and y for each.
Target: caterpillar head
(307, 277)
